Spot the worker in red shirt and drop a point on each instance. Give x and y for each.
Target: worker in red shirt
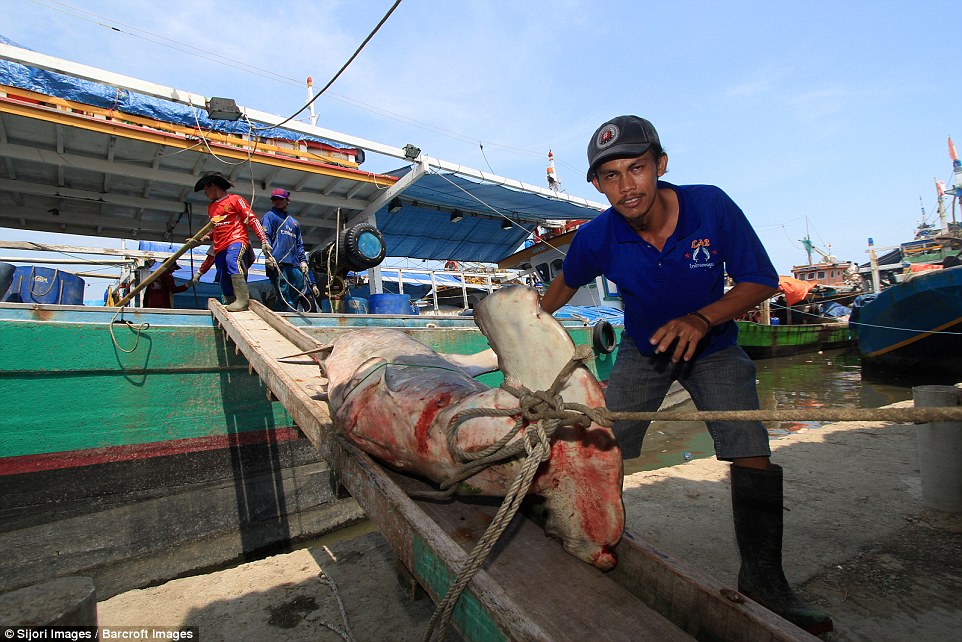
(231, 216)
(160, 293)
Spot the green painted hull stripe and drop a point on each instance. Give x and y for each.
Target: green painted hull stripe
(474, 622)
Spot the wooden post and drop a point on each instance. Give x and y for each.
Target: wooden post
(766, 314)
(873, 262)
(193, 242)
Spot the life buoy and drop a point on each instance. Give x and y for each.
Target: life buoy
(603, 337)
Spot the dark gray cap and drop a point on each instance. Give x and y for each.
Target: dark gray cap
(620, 137)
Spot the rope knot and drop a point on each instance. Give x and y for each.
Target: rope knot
(537, 439)
(540, 405)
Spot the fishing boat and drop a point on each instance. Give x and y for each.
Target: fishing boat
(914, 326)
(145, 416)
(765, 341)
(912, 320)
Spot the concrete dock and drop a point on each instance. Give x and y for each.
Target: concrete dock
(858, 543)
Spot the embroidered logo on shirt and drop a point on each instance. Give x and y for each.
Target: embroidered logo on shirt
(700, 255)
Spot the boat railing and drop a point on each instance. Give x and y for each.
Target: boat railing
(465, 279)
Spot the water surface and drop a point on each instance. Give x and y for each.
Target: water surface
(829, 379)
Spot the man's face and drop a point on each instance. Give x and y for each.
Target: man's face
(279, 204)
(631, 184)
(210, 191)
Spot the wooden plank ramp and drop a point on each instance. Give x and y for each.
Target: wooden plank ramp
(529, 588)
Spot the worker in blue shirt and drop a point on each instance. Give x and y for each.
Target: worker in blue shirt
(668, 248)
(293, 276)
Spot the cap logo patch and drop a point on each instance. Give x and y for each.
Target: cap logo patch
(607, 135)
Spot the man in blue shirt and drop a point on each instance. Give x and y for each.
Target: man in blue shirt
(668, 248)
(293, 273)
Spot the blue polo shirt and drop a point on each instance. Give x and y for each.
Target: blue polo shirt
(712, 237)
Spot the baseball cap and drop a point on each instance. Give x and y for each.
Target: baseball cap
(620, 137)
(280, 193)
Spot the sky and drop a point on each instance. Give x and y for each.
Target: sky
(827, 118)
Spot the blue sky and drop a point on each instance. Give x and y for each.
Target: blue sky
(834, 113)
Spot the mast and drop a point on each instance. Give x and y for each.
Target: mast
(940, 189)
(957, 177)
(310, 100)
(553, 182)
(807, 243)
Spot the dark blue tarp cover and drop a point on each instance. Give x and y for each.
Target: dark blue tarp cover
(422, 231)
(95, 94)
(835, 310)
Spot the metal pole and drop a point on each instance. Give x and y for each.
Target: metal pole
(873, 261)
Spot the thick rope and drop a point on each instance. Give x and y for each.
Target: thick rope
(536, 411)
(605, 417)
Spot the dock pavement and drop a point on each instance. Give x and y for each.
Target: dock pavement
(858, 543)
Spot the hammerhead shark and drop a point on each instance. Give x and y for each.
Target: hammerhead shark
(394, 397)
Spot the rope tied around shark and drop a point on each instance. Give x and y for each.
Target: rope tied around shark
(543, 412)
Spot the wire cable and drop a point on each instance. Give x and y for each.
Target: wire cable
(344, 67)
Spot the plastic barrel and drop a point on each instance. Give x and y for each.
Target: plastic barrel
(356, 305)
(33, 284)
(6, 277)
(389, 304)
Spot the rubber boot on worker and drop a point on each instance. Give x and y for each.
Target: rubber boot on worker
(242, 300)
(759, 524)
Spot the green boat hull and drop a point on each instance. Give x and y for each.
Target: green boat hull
(767, 341)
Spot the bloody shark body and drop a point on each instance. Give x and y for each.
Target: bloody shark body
(394, 397)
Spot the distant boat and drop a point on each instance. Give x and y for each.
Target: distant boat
(913, 322)
(762, 341)
(915, 325)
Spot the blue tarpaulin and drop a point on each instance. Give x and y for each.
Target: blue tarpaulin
(95, 94)
(422, 229)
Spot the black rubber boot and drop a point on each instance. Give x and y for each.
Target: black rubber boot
(757, 509)
(242, 297)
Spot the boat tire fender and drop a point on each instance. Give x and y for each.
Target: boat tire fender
(363, 247)
(603, 337)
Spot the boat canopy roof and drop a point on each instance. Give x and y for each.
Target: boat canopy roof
(94, 153)
(423, 227)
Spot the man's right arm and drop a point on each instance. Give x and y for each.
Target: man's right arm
(559, 293)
